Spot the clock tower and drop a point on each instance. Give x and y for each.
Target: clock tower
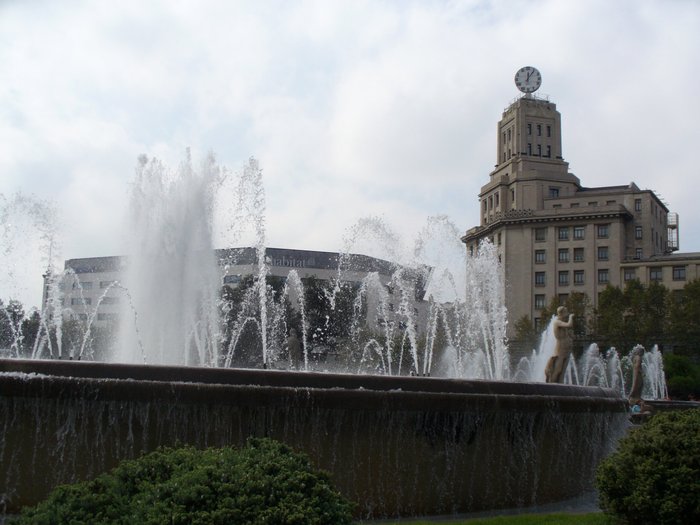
(529, 163)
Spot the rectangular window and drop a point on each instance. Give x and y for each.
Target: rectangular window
(563, 278)
(563, 297)
(578, 277)
(110, 300)
(593, 203)
(540, 256)
(105, 284)
(603, 231)
(529, 129)
(603, 277)
(529, 148)
(610, 203)
(538, 323)
(563, 232)
(549, 131)
(637, 204)
(655, 273)
(579, 232)
(77, 301)
(564, 255)
(107, 316)
(539, 301)
(553, 192)
(539, 130)
(578, 255)
(549, 151)
(85, 285)
(540, 279)
(539, 150)
(602, 253)
(630, 274)
(540, 234)
(637, 232)
(679, 273)
(638, 253)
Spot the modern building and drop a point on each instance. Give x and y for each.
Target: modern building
(555, 236)
(94, 285)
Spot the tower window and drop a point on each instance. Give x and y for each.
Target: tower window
(549, 131)
(539, 150)
(553, 192)
(539, 301)
(563, 278)
(529, 129)
(540, 279)
(529, 148)
(539, 130)
(549, 151)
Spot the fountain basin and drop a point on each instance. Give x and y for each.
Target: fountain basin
(398, 446)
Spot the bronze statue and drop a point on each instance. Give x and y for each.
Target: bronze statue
(556, 366)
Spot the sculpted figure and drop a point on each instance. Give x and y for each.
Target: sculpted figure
(294, 350)
(556, 366)
(635, 397)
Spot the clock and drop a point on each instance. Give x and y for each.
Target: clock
(528, 79)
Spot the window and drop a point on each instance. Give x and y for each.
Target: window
(637, 204)
(655, 273)
(540, 279)
(553, 192)
(539, 301)
(538, 323)
(679, 273)
(629, 274)
(539, 150)
(105, 284)
(540, 234)
(602, 253)
(549, 151)
(563, 278)
(637, 232)
(578, 277)
(78, 301)
(578, 255)
(110, 300)
(540, 256)
(610, 203)
(638, 253)
(603, 277)
(107, 316)
(579, 232)
(603, 231)
(574, 204)
(563, 232)
(232, 279)
(508, 134)
(529, 148)
(549, 131)
(85, 285)
(539, 130)
(496, 199)
(529, 129)
(563, 297)
(499, 239)
(564, 255)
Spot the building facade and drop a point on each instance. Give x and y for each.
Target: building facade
(556, 237)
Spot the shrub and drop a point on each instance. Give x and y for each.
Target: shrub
(264, 482)
(654, 476)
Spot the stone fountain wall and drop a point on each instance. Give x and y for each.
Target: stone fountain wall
(398, 446)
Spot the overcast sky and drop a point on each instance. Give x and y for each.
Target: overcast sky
(383, 108)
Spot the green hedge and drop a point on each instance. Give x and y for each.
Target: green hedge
(264, 482)
(654, 476)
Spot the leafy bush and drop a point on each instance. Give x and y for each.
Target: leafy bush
(654, 476)
(683, 376)
(264, 482)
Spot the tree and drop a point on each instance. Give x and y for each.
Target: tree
(684, 320)
(654, 475)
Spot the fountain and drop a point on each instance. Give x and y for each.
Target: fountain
(398, 442)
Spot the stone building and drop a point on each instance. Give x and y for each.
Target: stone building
(555, 236)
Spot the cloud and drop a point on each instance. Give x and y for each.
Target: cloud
(352, 108)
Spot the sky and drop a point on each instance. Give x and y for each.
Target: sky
(353, 109)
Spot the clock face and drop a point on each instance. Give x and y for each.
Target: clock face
(528, 79)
